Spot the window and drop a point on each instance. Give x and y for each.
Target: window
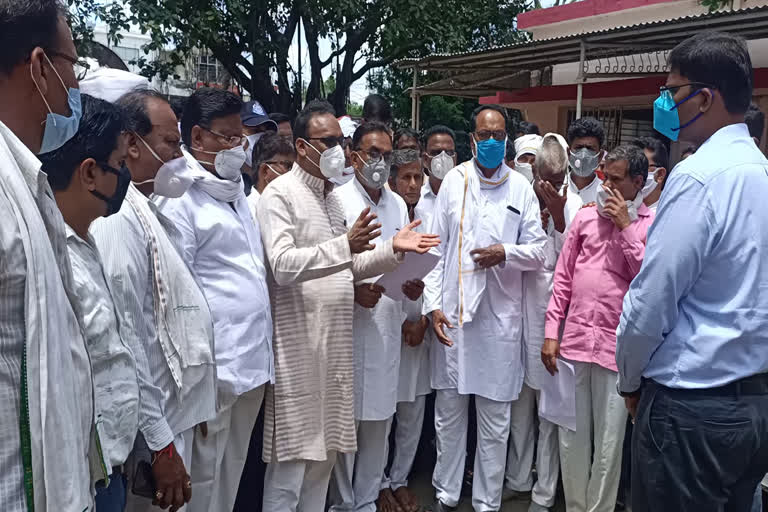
(208, 69)
(621, 124)
(126, 54)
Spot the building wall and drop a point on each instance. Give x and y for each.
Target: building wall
(593, 15)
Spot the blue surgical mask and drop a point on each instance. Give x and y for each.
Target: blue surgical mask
(58, 128)
(490, 153)
(666, 117)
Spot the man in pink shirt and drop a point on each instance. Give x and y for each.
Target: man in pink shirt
(602, 254)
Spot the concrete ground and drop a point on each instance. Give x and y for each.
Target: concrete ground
(421, 484)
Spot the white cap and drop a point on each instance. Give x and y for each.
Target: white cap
(527, 144)
(348, 126)
(110, 84)
(559, 138)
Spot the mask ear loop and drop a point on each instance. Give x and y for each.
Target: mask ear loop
(694, 117)
(32, 76)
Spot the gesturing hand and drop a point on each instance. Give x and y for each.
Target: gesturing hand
(413, 332)
(408, 240)
(544, 219)
(413, 289)
(438, 321)
(363, 231)
(549, 354)
(368, 295)
(174, 487)
(489, 256)
(616, 209)
(555, 204)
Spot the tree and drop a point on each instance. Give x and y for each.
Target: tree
(252, 38)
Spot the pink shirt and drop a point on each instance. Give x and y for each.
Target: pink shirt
(596, 265)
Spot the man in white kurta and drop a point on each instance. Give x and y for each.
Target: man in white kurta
(488, 219)
(376, 330)
(550, 176)
(222, 245)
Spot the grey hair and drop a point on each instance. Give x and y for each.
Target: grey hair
(402, 157)
(637, 163)
(552, 155)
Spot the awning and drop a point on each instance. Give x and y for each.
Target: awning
(652, 39)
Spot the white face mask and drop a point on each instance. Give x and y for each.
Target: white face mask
(603, 193)
(650, 184)
(440, 165)
(173, 178)
(524, 169)
(228, 163)
(252, 140)
(374, 174)
(332, 161)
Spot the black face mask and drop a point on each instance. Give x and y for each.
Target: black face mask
(247, 184)
(123, 181)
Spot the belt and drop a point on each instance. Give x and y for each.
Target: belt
(752, 385)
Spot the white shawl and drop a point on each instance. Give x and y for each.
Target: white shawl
(55, 360)
(183, 320)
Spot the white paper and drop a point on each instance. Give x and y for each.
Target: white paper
(414, 267)
(557, 402)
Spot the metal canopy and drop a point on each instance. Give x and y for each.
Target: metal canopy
(484, 72)
(751, 23)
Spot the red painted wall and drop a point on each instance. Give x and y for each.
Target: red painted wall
(577, 10)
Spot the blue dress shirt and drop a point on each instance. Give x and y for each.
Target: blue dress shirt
(696, 316)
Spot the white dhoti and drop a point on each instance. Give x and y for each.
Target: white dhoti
(297, 486)
(357, 476)
(519, 475)
(591, 469)
(218, 459)
(451, 416)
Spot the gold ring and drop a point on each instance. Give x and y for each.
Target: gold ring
(159, 495)
(189, 484)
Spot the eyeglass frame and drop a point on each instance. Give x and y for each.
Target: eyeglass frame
(241, 138)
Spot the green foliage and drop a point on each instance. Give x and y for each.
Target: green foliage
(716, 5)
(251, 38)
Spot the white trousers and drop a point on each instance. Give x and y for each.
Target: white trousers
(590, 457)
(451, 417)
(519, 476)
(184, 445)
(219, 458)
(410, 420)
(297, 486)
(357, 476)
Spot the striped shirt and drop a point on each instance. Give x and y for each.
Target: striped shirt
(126, 253)
(310, 407)
(114, 367)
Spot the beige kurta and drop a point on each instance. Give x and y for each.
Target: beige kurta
(310, 408)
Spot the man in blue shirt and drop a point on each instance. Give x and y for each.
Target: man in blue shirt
(693, 338)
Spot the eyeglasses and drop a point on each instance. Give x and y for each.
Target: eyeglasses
(329, 142)
(230, 140)
(436, 152)
(81, 63)
(375, 155)
(487, 134)
(108, 168)
(674, 88)
(285, 164)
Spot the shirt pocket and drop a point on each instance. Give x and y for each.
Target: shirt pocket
(500, 223)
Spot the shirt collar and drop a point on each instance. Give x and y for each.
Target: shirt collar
(27, 162)
(426, 189)
(726, 134)
(364, 193)
(313, 182)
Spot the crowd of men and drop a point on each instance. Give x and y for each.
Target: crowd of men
(165, 277)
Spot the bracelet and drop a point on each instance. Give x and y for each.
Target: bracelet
(168, 450)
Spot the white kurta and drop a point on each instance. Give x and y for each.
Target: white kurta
(486, 358)
(588, 194)
(414, 361)
(376, 331)
(537, 289)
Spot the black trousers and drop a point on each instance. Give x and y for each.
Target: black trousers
(699, 450)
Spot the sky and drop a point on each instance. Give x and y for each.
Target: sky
(359, 89)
